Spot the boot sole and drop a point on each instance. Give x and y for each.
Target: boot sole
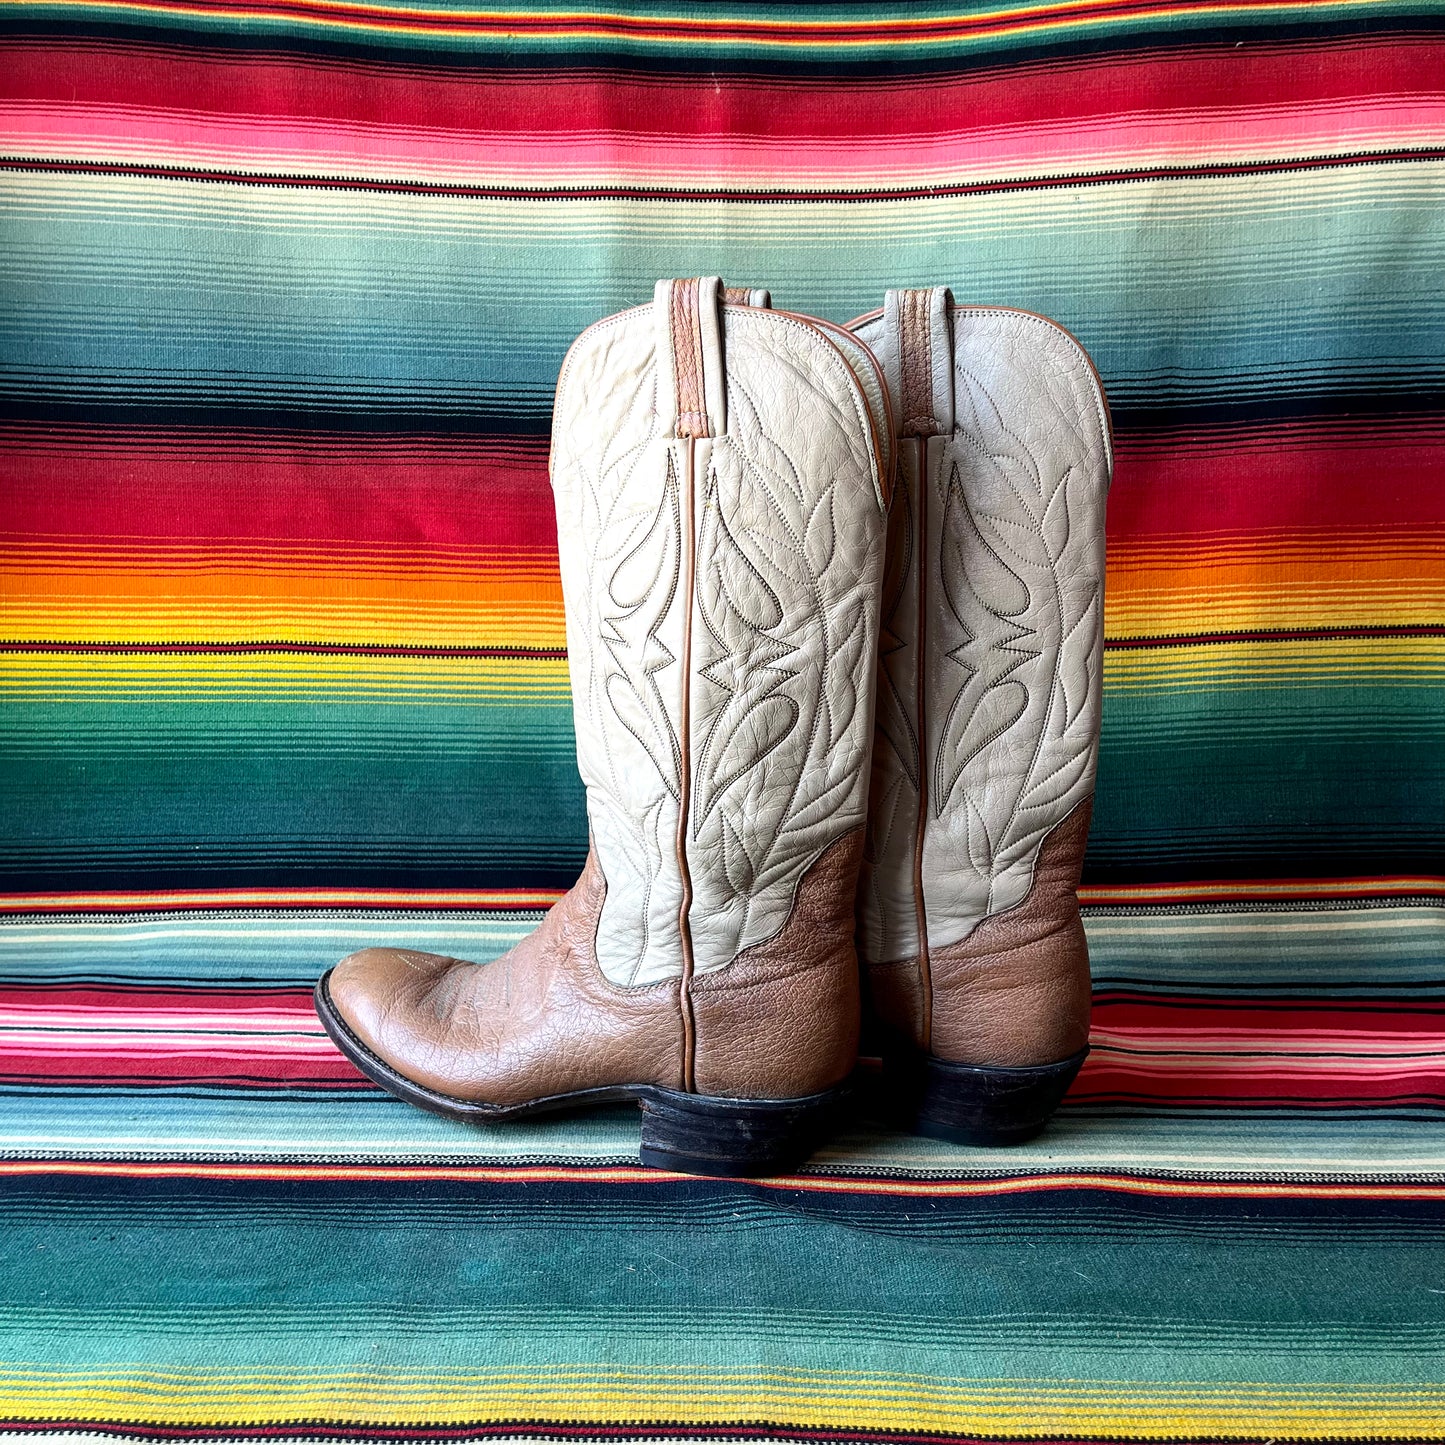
(684, 1133)
(975, 1104)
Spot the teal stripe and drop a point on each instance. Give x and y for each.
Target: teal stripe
(164, 783)
(801, 1290)
(1174, 286)
(1188, 773)
(92, 730)
(226, 949)
(1391, 950)
(1351, 952)
(1101, 1342)
(1192, 772)
(196, 1123)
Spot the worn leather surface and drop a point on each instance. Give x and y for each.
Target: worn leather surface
(1016, 991)
(781, 1022)
(869, 374)
(782, 1019)
(1000, 522)
(721, 490)
(990, 673)
(539, 1020)
(779, 518)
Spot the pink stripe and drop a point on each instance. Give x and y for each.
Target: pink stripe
(160, 1021)
(40, 129)
(1271, 1041)
(1272, 1066)
(141, 1045)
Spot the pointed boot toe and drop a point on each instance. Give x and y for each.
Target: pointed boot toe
(375, 1004)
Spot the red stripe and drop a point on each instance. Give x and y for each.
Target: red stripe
(1104, 1082)
(1423, 1018)
(1180, 1051)
(562, 103)
(342, 491)
(1272, 480)
(481, 495)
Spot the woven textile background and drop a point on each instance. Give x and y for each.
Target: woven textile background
(287, 287)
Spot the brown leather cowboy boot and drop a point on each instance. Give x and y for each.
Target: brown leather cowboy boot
(988, 714)
(721, 475)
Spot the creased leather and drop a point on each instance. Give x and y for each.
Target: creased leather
(1016, 991)
(540, 1020)
(789, 545)
(888, 911)
(1013, 561)
(619, 536)
(782, 1019)
(869, 375)
(790, 549)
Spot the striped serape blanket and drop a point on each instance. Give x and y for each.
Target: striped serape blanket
(287, 286)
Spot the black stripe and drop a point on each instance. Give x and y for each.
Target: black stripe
(750, 195)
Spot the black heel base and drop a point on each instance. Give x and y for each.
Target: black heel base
(739, 1138)
(975, 1104)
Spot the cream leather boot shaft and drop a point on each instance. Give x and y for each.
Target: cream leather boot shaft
(988, 713)
(721, 475)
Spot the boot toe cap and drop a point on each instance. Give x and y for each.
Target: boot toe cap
(375, 993)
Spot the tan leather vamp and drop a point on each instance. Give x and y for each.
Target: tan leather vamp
(781, 1021)
(540, 1020)
(1016, 990)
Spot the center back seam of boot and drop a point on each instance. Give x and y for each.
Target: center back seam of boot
(684, 801)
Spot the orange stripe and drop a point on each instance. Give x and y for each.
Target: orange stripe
(810, 1183)
(280, 898)
(1261, 890)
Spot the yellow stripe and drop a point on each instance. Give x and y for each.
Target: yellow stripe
(698, 1394)
(1321, 195)
(410, 623)
(1171, 612)
(1402, 660)
(1310, 889)
(67, 677)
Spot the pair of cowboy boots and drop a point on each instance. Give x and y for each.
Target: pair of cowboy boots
(834, 624)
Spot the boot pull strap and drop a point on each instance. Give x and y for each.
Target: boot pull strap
(920, 321)
(691, 388)
(747, 296)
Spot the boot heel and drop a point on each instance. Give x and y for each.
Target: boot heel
(974, 1104)
(697, 1134)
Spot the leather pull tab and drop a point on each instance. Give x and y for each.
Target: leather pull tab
(747, 296)
(692, 391)
(920, 320)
